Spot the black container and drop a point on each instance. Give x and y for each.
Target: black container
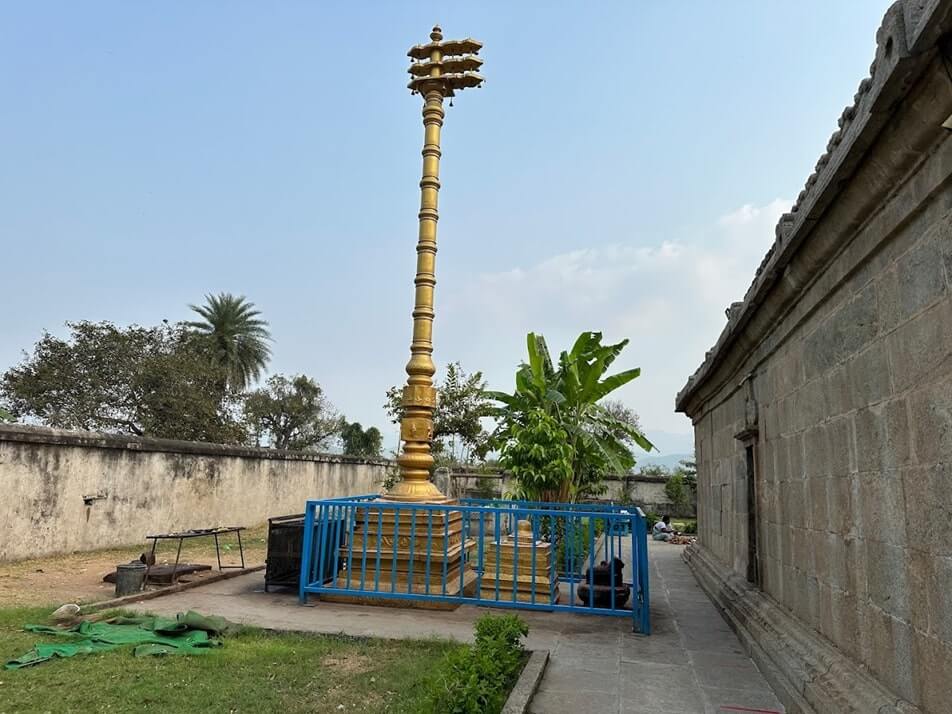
(130, 578)
(285, 544)
(600, 594)
(285, 541)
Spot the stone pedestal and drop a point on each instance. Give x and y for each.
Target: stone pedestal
(428, 558)
(513, 556)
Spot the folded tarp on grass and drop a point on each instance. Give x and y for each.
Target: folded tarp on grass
(187, 633)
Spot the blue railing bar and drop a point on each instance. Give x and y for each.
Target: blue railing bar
(553, 569)
(477, 509)
(497, 543)
(446, 547)
(462, 535)
(514, 532)
(480, 558)
(636, 601)
(474, 601)
(412, 548)
(642, 547)
(325, 536)
(532, 582)
(429, 547)
(363, 558)
(379, 543)
(307, 544)
(561, 523)
(569, 553)
(610, 557)
(337, 539)
(502, 505)
(591, 562)
(393, 559)
(351, 522)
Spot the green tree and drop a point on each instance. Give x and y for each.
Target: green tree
(357, 441)
(177, 385)
(5, 415)
(687, 468)
(678, 492)
(292, 414)
(239, 337)
(458, 434)
(571, 396)
(147, 381)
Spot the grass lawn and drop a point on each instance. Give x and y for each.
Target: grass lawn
(256, 671)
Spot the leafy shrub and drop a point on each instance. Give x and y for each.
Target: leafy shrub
(477, 679)
(690, 528)
(503, 630)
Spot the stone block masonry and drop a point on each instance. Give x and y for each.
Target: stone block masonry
(823, 415)
(66, 491)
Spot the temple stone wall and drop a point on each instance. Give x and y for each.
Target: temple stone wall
(837, 371)
(66, 491)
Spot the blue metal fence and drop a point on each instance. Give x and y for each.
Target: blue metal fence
(498, 553)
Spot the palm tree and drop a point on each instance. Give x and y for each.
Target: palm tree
(238, 336)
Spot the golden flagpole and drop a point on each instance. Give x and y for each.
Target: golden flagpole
(439, 69)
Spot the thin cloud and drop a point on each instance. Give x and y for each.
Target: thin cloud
(668, 298)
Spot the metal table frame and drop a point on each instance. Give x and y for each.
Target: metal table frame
(184, 535)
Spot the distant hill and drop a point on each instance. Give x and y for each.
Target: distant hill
(669, 442)
(669, 461)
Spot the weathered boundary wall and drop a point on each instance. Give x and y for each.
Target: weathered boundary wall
(823, 415)
(646, 491)
(65, 491)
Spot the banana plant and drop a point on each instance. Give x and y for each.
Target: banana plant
(569, 396)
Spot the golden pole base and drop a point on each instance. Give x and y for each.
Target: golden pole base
(415, 491)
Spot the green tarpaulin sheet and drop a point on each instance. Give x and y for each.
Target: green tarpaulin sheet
(187, 633)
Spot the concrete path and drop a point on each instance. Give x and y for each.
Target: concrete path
(691, 664)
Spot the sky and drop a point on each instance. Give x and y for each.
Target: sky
(622, 171)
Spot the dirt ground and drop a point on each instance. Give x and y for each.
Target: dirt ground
(78, 577)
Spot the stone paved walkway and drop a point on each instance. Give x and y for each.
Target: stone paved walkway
(691, 664)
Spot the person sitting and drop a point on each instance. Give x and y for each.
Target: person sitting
(662, 530)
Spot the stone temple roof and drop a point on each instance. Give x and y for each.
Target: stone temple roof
(910, 28)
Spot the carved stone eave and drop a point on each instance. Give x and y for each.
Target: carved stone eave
(906, 46)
